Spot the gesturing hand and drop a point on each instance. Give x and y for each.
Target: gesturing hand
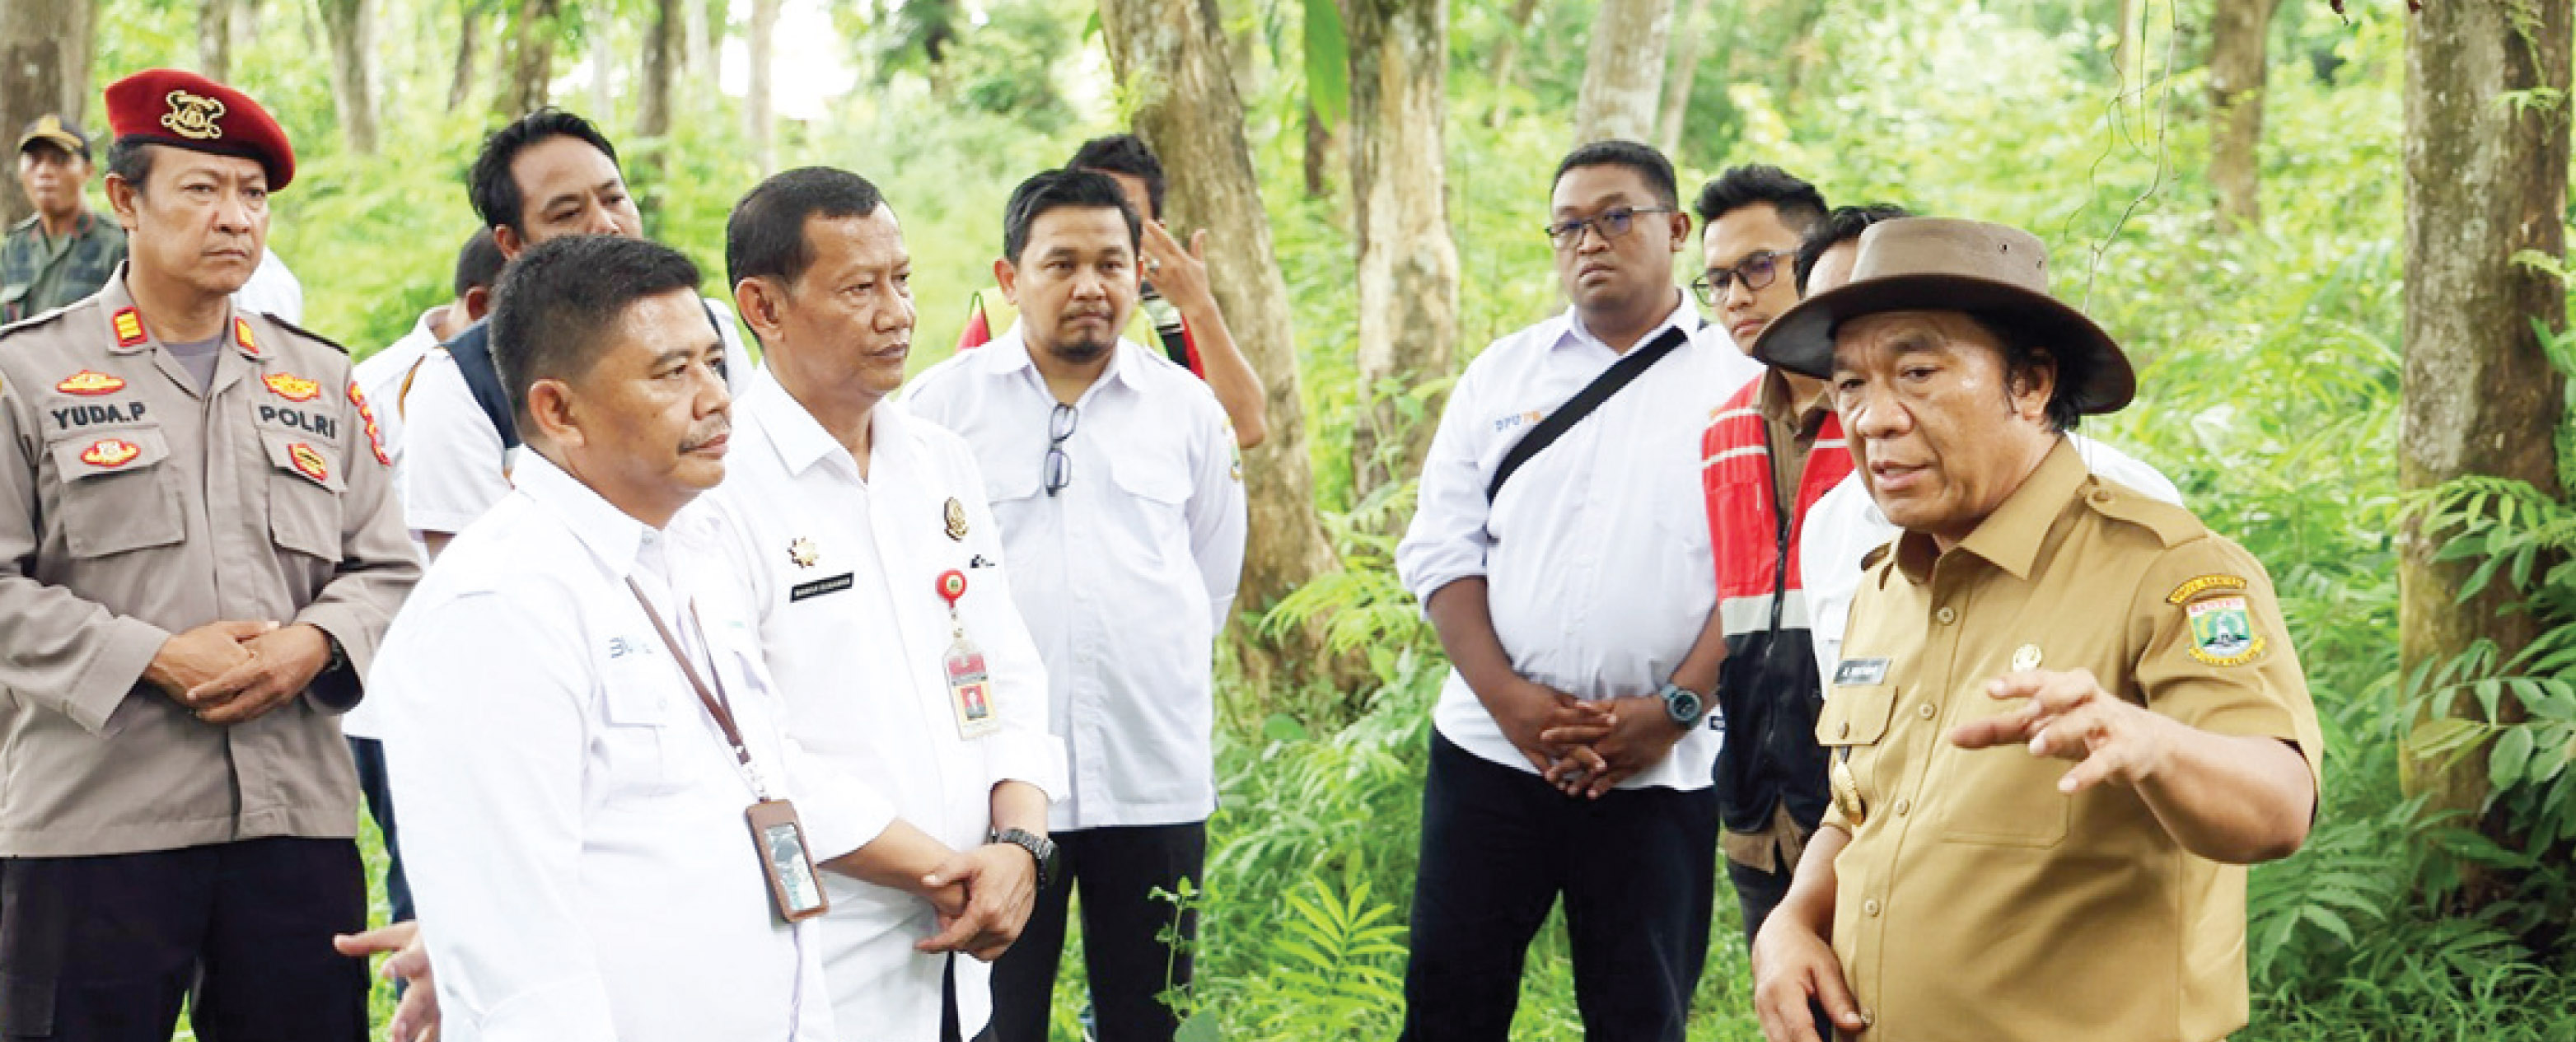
(1180, 274)
(1001, 888)
(2070, 717)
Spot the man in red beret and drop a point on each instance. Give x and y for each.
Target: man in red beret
(199, 549)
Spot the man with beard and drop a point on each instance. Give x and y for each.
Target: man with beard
(1120, 498)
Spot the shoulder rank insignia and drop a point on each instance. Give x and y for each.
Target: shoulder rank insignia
(367, 416)
(291, 387)
(111, 452)
(90, 382)
(308, 462)
(955, 514)
(241, 335)
(129, 327)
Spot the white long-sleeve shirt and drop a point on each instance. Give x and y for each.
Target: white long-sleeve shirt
(1124, 575)
(843, 574)
(573, 819)
(1596, 554)
(1845, 525)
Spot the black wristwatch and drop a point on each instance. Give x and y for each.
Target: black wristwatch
(1684, 706)
(1039, 847)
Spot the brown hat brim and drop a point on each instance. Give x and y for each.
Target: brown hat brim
(58, 138)
(2093, 371)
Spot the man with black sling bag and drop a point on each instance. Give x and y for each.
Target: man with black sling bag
(1560, 552)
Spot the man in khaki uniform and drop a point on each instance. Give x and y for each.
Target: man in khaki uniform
(198, 552)
(1966, 884)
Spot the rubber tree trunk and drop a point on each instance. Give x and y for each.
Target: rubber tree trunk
(2239, 41)
(469, 34)
(43, 68)
(1623, 71)
(1684, 75)
(2485, 180)
(662, 52)
(350, 24)
(1171, 61)
(532, 58)
(1507, 59)
(214, 38)
(759, 123)
(1408, 265)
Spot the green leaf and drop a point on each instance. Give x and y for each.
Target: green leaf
(1282, 727)
(2448, 735)
(1328, 62)
(2506, 762)
(1201, 1027)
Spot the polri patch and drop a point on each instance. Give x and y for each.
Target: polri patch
(2222, 631)
(291, 387)
(819, 587)
(111, 453)
(90, 382)
(308, 462)
(367, 415)
(1854, 672)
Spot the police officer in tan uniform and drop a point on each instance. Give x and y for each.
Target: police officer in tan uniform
(2065, 715)
(198, 551)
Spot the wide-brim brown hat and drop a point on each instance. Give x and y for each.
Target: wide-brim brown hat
(1995, 273)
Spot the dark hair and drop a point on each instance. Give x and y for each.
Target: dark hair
(478, 265)
(1842, 225)
(1798, 203)
(1642, 158)
(1063, 189)
(1124, 154)
(765, 236)
(556, 302)
(494, 193)
(2024, 348)
(130, 158)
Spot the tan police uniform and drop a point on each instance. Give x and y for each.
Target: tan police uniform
(1975, 901)
(136, 507)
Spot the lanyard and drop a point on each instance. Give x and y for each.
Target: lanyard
(715, 701)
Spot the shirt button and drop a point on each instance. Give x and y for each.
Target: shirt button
(1946, 615)
(1924, 710)
(1902, 806)
(1846, 732)
(1869, 907)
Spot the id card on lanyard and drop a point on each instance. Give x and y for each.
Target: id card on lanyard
(795, 891)
(970, 684)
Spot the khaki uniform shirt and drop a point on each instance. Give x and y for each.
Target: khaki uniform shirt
(134, 507)
(1976, 902)
(38, 274)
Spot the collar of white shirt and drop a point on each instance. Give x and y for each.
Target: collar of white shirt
(1009, 353)
(802, 441)
(612, 535)
(1683, 317)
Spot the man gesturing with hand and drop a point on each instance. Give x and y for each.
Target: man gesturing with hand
(2066, 715)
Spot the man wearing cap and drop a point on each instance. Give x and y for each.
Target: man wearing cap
(2031, 614)
(63, 252)
(198, 553)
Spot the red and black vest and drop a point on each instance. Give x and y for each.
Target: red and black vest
(1768, 688)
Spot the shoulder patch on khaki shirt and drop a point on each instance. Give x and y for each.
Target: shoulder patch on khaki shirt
(2172, 525)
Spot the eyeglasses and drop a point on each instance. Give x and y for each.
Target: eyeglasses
(1611, 223)
(1758, 270)
(1059, 467)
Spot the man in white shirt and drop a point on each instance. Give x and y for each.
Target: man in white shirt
(855, 524)
(547, 174)
(381, 380)
(585, 741)
(1570, 757)
(272, 289)
(1121, 505)
(1845, 526)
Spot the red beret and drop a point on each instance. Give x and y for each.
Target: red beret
(185, 110)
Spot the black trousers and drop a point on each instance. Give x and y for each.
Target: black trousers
(369, 754)
(1123, 926)
(1757, 893)
(103, 949)
(1637, 871)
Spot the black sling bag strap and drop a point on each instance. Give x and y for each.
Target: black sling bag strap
(1620, 374)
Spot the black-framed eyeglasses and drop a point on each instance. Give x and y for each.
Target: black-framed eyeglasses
(1611, 223)
(1059, 467)
(1759, 269)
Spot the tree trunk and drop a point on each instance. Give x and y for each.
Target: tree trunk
(2238, 44)
(214, 39)
(1170, 61)
(757, 121)
(42, 70)
(469, 28)
(1408, 265)
(1319, 148)
(1623, 71)
(1507, 59)
(698, 56)
(2485, 180)
(532, 58)
(2128, 47)
(351, 26)
(653, 109)
(1685, 72)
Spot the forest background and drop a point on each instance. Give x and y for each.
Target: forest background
(2333, 241)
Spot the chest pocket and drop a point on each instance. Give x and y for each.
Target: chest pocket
(1850, 726)
(639, 707)
(304, 485)
(118, 493)
(1157, 485)
(2002, 796)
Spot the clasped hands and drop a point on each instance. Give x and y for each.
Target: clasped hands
(1585, 749)
(232, 672)
(983, 896)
